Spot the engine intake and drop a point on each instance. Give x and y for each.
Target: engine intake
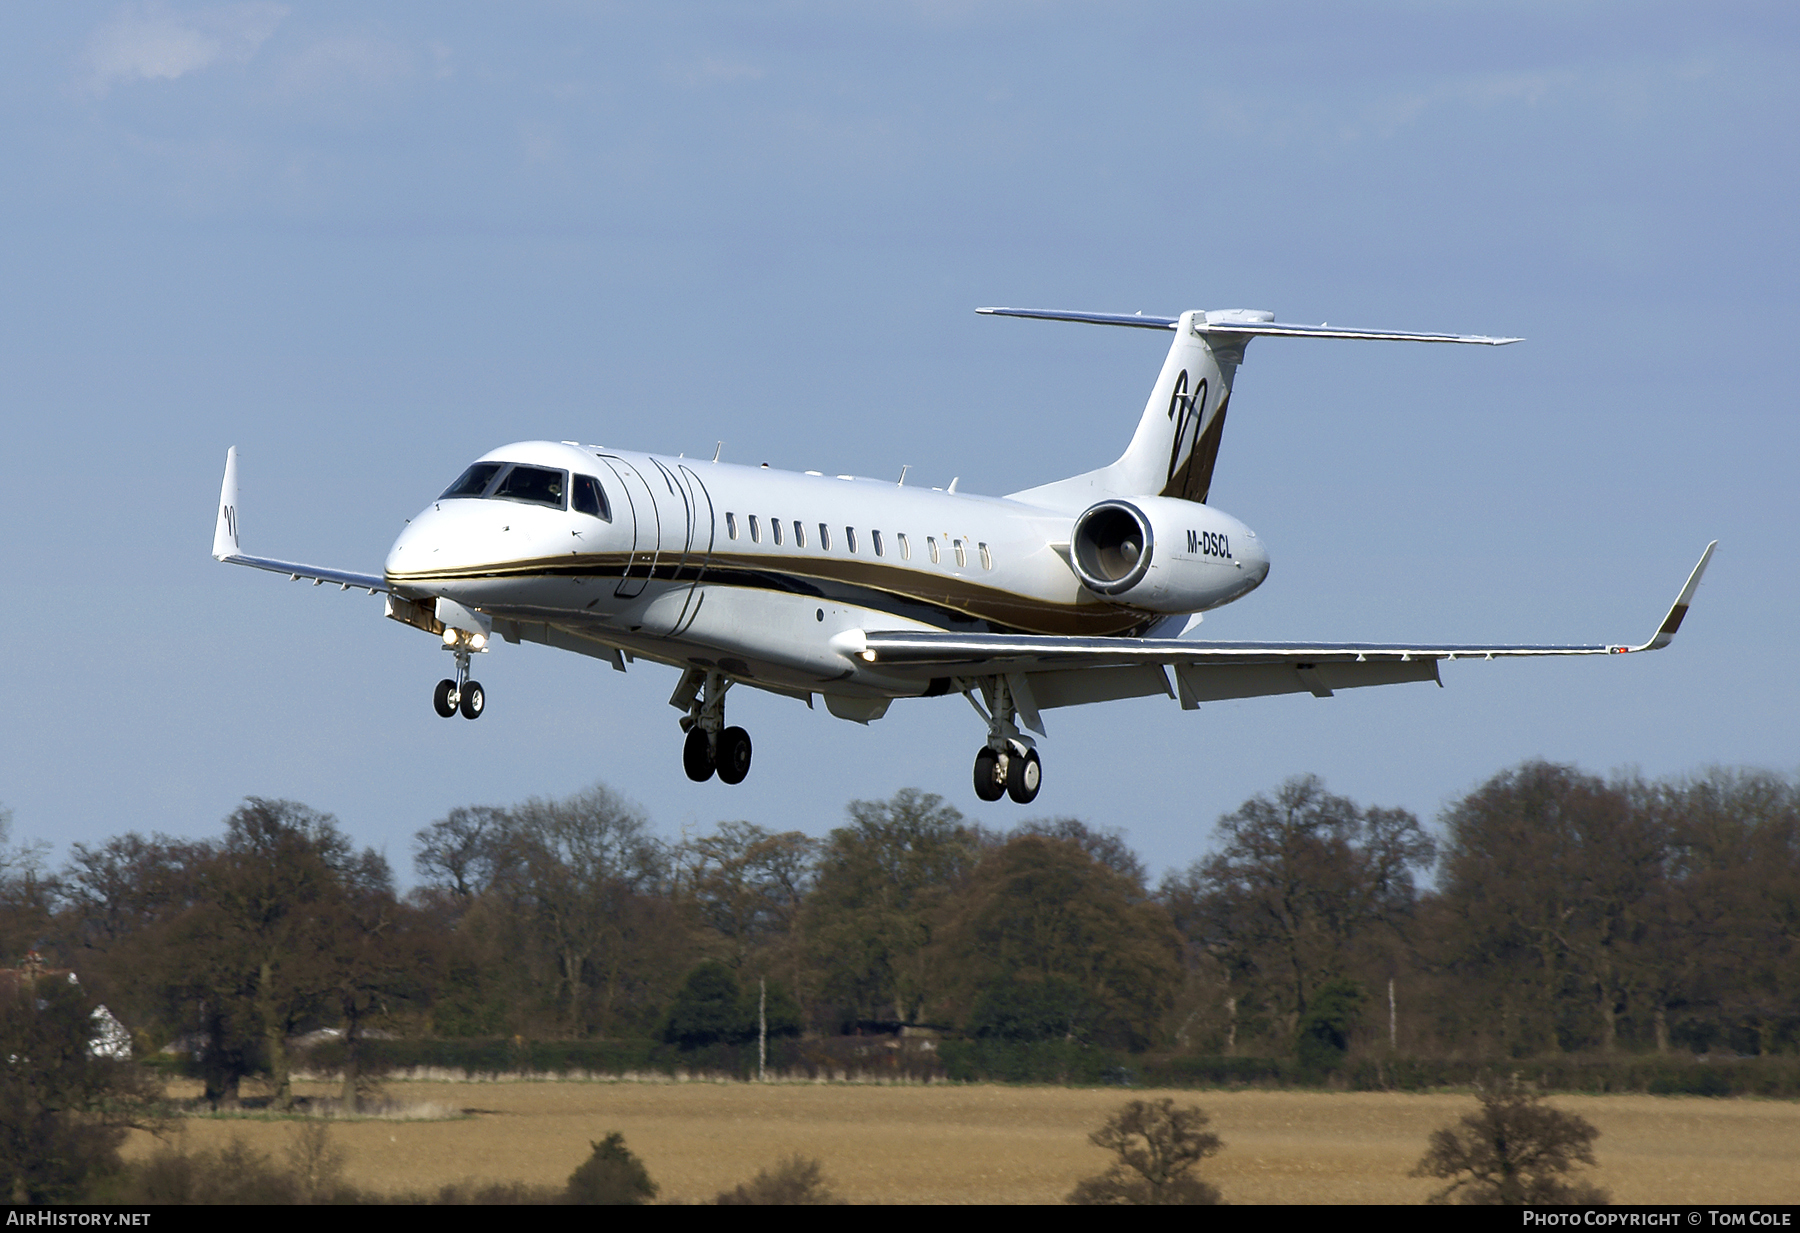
(1111, 547)
(1162, 554)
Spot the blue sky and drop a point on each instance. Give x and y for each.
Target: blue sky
(367, 243)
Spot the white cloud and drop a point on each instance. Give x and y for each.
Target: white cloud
(151, 42)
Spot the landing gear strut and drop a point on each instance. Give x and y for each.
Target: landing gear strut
(1008, 765)
(460, 694)
(710, 745)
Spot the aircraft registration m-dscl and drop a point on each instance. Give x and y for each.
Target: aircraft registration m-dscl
(863, 591)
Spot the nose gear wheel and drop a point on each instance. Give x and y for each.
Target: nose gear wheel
(459, 693)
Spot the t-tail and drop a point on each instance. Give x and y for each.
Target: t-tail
(1176, 445)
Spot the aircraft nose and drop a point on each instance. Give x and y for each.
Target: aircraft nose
(400, 556)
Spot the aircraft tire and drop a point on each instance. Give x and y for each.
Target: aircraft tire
(734, 755)
(697, 756)
(988, 784)
(474, 700)
(1024, 776)
(440, 698)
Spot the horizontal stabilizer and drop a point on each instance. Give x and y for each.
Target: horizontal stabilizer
(1243, 323)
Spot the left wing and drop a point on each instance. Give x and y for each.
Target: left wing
(226, 549)
(1206, 671)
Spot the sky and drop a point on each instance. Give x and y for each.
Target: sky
(367, 243)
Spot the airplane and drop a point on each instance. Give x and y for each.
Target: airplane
(862, 591)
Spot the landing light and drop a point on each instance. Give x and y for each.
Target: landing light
(449, 636)
(478, 641)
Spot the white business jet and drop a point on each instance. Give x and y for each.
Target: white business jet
(862, 591)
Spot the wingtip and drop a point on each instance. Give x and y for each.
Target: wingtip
(1671, 624)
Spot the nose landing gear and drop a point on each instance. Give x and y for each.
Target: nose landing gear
(710, 746)
(1008, 765)
(460, 694)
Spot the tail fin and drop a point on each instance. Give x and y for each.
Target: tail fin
(1176, 445)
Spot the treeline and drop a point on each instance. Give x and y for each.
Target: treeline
(1553, 914)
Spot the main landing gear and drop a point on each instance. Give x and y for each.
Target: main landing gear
(1008, 765)
(710, 745)
(460, 694)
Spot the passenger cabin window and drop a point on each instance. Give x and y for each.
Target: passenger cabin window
(987, 559)
(731, 525)
(755, 531)
(962, 559)
(775, 530)
(931, 543)
(875, 539)
(850, 537)
(474, 481)
(824, 538)
(905, 547)
(534, 485)
(799, 534)
(588, 497)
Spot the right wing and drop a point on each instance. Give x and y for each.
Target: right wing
(1053, 668)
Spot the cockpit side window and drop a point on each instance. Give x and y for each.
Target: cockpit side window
(474, 481)
(538, 485)
(589, 498)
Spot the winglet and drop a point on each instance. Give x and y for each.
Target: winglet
(225, 533)
(1665, 633)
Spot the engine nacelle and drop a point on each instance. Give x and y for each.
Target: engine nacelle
(1165, 555)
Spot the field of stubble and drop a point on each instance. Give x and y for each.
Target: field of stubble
(990, 1144)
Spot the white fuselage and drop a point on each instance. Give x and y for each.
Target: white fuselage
(754, 572)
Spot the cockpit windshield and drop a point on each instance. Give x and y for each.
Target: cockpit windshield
(538, 485)
(474, 481)
(515, 482)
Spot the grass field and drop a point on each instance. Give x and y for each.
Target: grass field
(991, 1144)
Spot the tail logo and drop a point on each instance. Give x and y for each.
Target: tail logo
(1185, 411)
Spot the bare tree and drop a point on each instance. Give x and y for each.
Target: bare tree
(1157, 1146)
(464, 851)
(747, 883)
(581, 871)
(869, 919)
(1306, 889)
(1514, 1150)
